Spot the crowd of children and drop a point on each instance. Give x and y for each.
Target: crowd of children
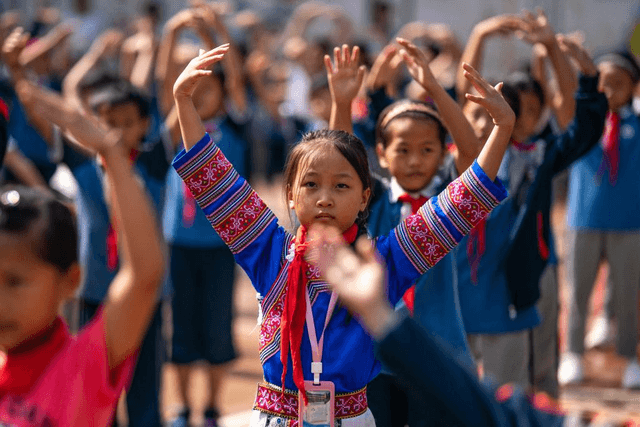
(442, 181)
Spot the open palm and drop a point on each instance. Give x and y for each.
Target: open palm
(345, 75)
(357, 277)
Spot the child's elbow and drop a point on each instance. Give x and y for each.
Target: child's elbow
(151, 275)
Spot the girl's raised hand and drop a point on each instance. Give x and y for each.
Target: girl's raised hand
(196, 69)
(13, 46)
(417, 63)
(345, 75)
(536, 28)
(570, 45)
(383, 71)
(489, 97)
(503, 25)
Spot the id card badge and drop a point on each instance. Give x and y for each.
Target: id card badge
(318, 412)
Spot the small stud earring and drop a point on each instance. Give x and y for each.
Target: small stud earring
(291, 204)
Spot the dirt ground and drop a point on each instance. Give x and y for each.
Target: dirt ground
(600, 393)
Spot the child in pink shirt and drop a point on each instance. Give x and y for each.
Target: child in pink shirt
(47, 376)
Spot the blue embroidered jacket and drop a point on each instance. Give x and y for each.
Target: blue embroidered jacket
(260, 247)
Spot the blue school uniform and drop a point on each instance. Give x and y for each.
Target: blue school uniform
(93, 216)
(29, 141)
(262, 249)
(503, 298)
(595, 203)
(436, 305)
(202, 267)
(224, 132)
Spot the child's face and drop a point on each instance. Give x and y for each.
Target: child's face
(616, 84)
(208, 97)
(31, 291)
(530, 112)
(413, 153)
(479, 119)
(328, 192)
(320, 104)
(127, 118)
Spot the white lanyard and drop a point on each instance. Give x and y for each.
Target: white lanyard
(316, 346)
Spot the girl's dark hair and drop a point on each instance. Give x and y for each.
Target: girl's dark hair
(519, 82)
(24, 210)
(121, 93)
(411, 109)
(313, 143)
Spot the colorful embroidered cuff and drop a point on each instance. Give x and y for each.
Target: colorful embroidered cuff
(444, 220)
(234, 210)
(469, 199)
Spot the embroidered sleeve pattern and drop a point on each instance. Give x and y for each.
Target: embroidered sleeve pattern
(235, 211)
(444, 220)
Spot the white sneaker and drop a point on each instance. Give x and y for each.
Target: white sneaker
(631, 376)
(570, 370)
(600, 335)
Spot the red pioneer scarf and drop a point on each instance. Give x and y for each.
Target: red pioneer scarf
(295, 308)
(611, 147)
(416, 203)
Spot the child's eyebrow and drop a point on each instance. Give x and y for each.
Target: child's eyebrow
(311, 174)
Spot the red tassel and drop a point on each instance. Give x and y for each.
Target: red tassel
(543, 249)
(475, 248)
(188, 208)
(409, 298)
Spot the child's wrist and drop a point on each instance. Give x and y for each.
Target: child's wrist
(113, 154)
(181, 97)
(379, 320)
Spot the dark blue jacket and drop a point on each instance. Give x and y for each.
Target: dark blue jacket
(427, 369)
(525, 261)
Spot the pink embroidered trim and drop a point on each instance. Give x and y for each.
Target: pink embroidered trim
(271, 400)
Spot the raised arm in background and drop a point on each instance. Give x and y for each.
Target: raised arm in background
(474, 50)
(468, 146)
(107, 45)
(232, 65)
(133, 292)
(345, 78)
(537, 30)
(138, 55)
(12, 49)
(167, 69)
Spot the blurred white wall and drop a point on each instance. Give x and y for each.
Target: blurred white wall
(606, 23)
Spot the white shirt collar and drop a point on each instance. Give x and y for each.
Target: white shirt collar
(395, 190)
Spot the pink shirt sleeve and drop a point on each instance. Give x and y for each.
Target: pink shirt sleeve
(76, 389)
(105, 384)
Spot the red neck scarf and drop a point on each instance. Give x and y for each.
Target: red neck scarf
(112, 234)
(416, 203)
(611, 147)
(295, 308)
(475, 248)
(24, 365)
(521, 146)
